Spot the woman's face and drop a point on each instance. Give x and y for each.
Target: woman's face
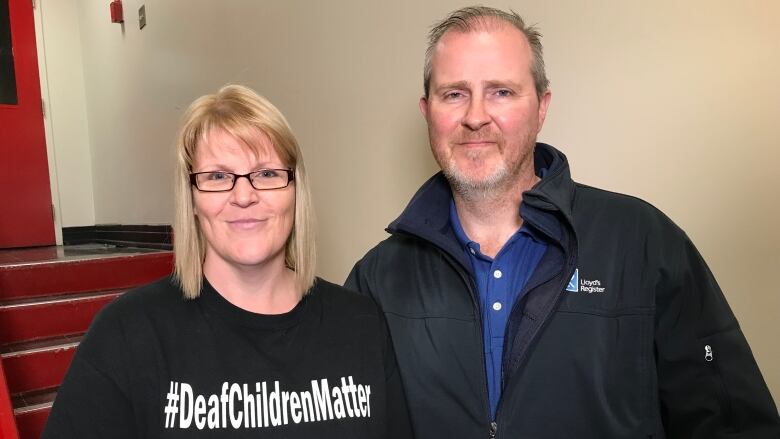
(244, 227)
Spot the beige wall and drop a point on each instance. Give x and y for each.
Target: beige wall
(676, 102)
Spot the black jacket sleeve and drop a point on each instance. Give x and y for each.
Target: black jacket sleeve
(93, 401)
(399, 423)
(354, 282)
(709, 384)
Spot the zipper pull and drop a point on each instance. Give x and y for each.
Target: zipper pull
(493, 429)
(707, 353)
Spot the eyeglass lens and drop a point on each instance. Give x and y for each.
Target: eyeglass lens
(225, 181)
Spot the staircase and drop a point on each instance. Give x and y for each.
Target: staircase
(48, 297)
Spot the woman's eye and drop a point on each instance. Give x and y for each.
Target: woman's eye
(218, 176)
(268, 173)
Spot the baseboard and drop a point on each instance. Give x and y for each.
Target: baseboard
(122, 235)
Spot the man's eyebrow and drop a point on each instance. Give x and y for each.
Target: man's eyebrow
(453, 85)
(493, 83)
(497, 84)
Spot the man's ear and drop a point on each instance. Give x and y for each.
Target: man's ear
(544, 104)
(424, 106)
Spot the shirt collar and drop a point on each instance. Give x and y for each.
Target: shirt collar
(467, 243)
(463, 239)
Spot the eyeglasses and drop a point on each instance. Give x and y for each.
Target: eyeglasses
(263, 179)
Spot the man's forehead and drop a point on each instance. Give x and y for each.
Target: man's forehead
(482, 29)
(503, 51)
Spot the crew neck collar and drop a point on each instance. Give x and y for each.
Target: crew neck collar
(233, 314)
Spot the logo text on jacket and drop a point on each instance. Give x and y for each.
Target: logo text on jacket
(576, 284)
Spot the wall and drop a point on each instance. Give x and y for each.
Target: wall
(66, 112)
(676, 102)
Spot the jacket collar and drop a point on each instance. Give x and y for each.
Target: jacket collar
(547, 206)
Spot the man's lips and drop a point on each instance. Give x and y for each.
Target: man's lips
(477, 143)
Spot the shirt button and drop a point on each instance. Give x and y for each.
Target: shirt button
(497, 274)
(472, 251)
(497, 306)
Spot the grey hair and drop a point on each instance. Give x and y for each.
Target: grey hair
(473, 18)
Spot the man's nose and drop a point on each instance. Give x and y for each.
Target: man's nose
(476, 115)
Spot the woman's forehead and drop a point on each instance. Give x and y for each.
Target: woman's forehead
(251, 144)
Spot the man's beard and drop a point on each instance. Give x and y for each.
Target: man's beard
(475, 187)
(470, 186)
(500, 178)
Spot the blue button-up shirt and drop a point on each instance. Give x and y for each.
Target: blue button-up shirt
(500, 283)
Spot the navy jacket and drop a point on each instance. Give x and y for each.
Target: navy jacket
(641, 343)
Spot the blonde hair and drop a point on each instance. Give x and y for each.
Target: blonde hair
(241, 112)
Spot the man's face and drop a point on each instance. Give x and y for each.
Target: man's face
(482, 110)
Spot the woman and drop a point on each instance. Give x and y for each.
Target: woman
(242, 340)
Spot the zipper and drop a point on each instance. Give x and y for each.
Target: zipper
(493, 429)
(571, 262)
(492, 425)
(572, 265)
(709, 357)
(514, 309)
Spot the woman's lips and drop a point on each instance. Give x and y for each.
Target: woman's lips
(244, 223)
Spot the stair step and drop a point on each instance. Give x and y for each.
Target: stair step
(37, 365)
(31, 411)
(51, 277)
(7, 421)
(36, 318)
(48, 298)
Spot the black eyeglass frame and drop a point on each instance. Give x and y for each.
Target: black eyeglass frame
(290, 179)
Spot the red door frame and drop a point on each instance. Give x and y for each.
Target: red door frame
(26, 214)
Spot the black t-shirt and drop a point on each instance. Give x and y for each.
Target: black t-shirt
(155, 365)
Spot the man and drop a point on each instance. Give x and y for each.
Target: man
(523, 304)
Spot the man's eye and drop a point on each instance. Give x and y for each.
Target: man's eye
(453, 95)
(504, 93)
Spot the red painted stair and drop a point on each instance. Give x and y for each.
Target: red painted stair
(48, 297)
(31, 412)
(44, 278)
(37, 365)
(61, 315)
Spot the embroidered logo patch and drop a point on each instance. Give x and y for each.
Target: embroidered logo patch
(574, 282)
(577, 285)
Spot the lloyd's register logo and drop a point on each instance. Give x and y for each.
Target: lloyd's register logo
(577, 285)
